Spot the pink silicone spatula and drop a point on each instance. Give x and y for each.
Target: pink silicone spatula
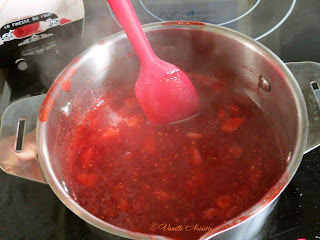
(163, 91)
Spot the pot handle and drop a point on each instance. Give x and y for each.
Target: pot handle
(18, 148)
(307, 75)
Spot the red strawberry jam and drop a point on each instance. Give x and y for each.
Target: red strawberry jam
(177, 180)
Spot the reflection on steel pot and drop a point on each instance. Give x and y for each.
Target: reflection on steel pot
(262, 76)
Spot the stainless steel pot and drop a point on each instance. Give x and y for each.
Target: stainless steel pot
(194, 47)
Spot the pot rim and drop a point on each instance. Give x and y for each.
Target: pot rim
(269, 197)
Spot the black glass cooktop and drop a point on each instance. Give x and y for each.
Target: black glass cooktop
(290, 28)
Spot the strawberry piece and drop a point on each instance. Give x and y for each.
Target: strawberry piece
(109, 212)
(224, 201)
(117, 189)
(133, 121)
(123, 205)
(195, 156)
(232, 124)
(85, 158)
(149, 144)
(188, 186)
(193, 135)
(234, 109)
(221, 114)
(210, 213)
(255, 175)
(165, 180)
(218, 86)
(140, 205)
(111, 132)
(88, 179)
(162, 195)
(235, 151)
(232, 212)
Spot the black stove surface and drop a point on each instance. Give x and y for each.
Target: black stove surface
(30, 210)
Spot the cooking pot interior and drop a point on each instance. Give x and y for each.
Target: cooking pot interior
(209, 52)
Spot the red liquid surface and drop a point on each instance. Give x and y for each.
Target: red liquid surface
(197, 173)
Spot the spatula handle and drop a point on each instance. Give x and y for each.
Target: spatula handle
(130, 23)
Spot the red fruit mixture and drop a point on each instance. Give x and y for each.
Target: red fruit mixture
(204, 170)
